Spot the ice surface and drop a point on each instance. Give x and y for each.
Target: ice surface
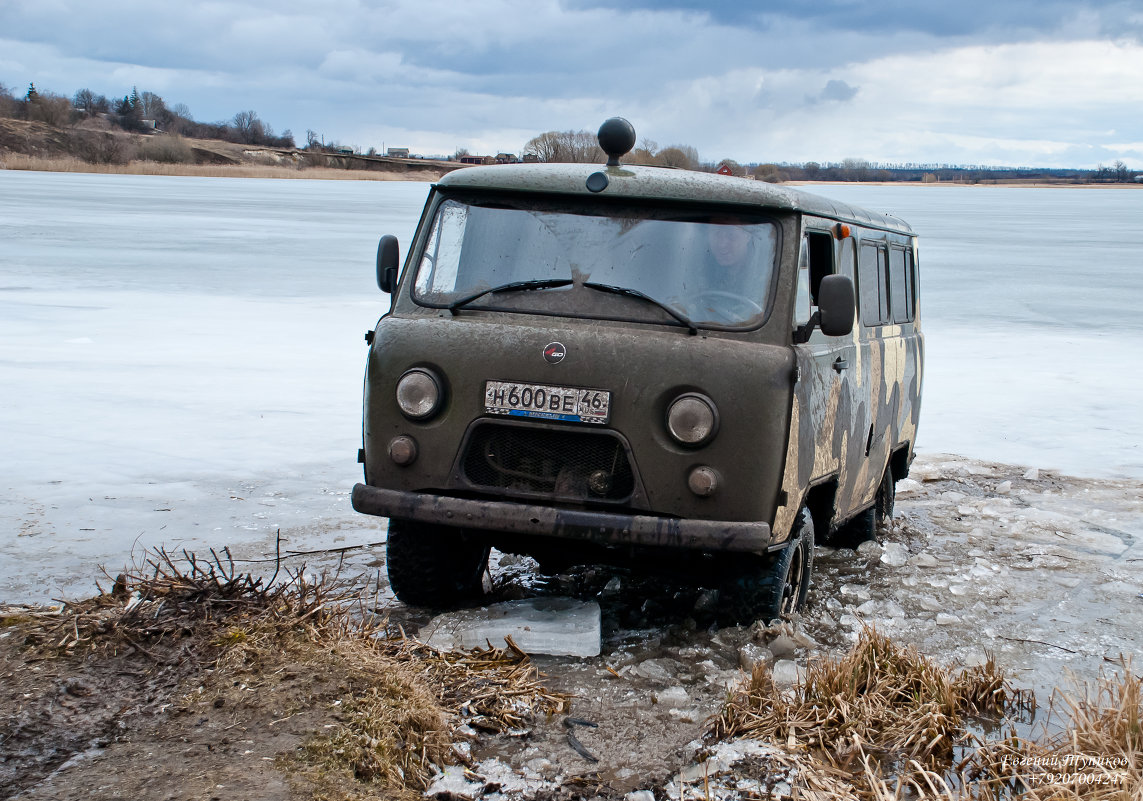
(181, 358)
(181, 361)
(558, 626)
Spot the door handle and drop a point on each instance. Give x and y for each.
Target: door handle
(840, 364)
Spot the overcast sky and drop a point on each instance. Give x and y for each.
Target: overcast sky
(1012, 82)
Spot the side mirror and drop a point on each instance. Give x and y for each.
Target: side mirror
(388, 262)
(836, 305)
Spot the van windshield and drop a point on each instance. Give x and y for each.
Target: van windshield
(653, 265)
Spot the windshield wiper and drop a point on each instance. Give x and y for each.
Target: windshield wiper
(514, 286)
(635, 293)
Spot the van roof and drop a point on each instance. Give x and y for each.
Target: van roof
(658, 183)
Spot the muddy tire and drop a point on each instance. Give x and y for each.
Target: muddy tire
(769, 590)
(433, 566)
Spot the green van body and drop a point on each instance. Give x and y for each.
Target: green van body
(810, 430)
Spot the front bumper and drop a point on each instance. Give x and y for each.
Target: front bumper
(603, 528)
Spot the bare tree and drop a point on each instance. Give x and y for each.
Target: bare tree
(565, 147)
(51, 108)
(855, 169)
(684, 156)
(248, 127)
(9, 105)
(644, 153)
(152, 107)
(545, 147)
(84, 102)
(770, 173)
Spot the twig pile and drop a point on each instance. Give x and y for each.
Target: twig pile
(167, 600)
(403, 700)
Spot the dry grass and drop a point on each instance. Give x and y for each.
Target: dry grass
(884, 710)
(16, 161)
(399, 703)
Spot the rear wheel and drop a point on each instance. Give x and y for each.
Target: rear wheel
(433, 566)
(777, 588)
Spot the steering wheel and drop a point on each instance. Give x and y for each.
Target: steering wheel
(725, 304)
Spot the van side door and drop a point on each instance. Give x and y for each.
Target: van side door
(829, 389)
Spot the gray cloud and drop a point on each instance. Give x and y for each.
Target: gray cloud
(838, 91)
(751, 81)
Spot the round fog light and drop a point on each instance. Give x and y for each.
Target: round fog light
(703, 481)
(403, 450)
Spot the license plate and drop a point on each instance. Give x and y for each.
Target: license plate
(547, 402)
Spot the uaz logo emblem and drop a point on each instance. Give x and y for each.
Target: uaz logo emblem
(554, 353)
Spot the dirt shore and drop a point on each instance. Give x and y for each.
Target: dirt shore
(1043, 573)
(92, 148)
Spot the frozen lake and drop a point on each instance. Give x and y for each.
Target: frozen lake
(181, 358)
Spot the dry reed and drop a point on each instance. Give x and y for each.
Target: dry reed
(16, 161)
(884, 722)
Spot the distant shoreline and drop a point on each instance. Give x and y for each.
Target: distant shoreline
(71, 164)
(19, 162)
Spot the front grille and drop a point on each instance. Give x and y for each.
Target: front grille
(560, 465)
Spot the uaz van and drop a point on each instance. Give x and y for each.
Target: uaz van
(637, 365)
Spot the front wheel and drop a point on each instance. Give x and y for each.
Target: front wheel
(771, 590)
(433, 566)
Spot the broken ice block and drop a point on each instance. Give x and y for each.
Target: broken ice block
(894, 554)
(557, 626)
(785, 673)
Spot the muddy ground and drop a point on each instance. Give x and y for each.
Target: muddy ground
(1042, 571)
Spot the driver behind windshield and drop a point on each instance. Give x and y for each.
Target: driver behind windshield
(736, 276)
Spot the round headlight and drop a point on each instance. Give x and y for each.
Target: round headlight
(418, 393)
(692, 419)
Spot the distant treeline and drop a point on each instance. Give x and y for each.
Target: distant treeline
(142, 112)
(581, 146)
(137, 112)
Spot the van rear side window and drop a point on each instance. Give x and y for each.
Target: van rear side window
(886, 282)
(872, 272)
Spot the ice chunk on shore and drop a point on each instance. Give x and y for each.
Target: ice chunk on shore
(894, 554)
(557, 626)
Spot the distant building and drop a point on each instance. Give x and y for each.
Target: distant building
(477, 160)
(531, 158)
(506, 158)
(397, 152)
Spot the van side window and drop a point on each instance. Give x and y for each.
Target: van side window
(872, 275)
(901, 280)
(898, 286)
(802, 302)
(910, 285)
(821, 261)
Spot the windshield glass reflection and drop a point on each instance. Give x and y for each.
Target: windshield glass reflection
(714, 270)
